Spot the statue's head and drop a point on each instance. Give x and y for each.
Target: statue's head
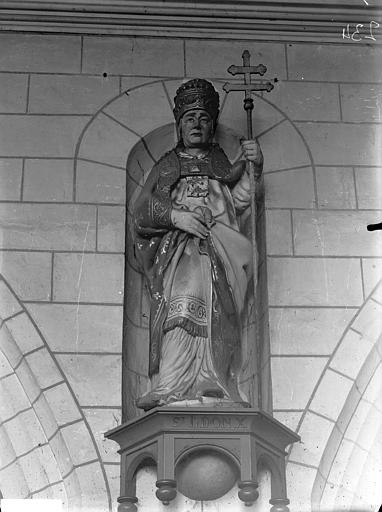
(196, 111)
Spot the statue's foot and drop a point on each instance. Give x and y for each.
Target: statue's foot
(147, 402)
(152, 399)
(213, 393)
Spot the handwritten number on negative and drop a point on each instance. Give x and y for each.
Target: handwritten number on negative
(356, 35)
(376, 25)
(347, 35)
(359, 25)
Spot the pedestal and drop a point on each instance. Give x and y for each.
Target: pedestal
(176, 439)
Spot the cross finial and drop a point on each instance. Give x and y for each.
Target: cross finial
(247, 70)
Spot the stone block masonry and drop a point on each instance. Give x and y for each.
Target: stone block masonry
(334, 63)
(11, 170)
(48, 180)
(279, 232)
(133, 56)
(62, 219)
(361, 102)
(43, 111)
(97, 183)
(70, 94)
(35, 53)
(94, 378)
(40, 136)
(332, 282)
(327, 233)
(369, 182)
(29, 273)
(46, 226)
(336, 188)
(358, 144)
(13, 93)
(95, 278)
(308, 100)
(290, 189)
(79, 327)
(212, 58)
(111, 225)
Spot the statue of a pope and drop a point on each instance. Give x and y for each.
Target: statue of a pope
(196, 261)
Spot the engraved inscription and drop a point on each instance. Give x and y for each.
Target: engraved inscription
(210, 422)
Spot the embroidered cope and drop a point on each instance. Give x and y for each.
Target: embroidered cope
(197, 286)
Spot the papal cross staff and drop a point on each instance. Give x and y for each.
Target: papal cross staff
(247, 70)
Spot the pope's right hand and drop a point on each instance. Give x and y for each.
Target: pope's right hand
(191, 222)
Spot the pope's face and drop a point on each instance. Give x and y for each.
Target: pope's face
(196, 128)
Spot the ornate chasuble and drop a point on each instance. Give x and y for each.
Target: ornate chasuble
(188, 279)
(195, 171)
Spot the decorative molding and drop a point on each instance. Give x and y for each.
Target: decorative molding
(273, 20)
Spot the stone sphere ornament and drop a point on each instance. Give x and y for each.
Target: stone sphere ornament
(206, 474)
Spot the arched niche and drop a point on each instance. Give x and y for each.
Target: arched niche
(136, 311)
(131, 132)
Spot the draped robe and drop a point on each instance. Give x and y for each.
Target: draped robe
(197, 287)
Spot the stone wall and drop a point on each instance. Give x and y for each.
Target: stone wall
(64, 144)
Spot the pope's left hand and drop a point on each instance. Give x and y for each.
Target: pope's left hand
(252, 152)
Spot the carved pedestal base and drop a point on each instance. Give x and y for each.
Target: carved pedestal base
(223, 445)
